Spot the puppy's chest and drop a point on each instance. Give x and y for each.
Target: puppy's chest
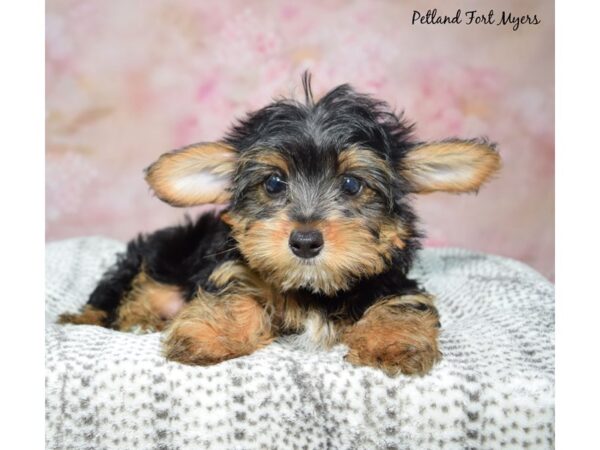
(310, 326)
(312, 320)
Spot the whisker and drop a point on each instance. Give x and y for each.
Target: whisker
(219, 253)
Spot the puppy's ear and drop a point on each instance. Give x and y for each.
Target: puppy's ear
(194, 175)
(450, 166)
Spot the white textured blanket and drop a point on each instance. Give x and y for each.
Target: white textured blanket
(494, 387)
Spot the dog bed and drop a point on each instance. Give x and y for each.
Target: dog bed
(494, 387)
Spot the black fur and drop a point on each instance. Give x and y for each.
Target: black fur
(183, 256)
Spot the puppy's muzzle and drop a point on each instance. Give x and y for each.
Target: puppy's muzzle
(306, 243)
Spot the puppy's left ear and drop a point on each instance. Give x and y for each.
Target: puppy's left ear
(194, 175)
(454, 166)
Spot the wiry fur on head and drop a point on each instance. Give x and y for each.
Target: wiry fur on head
(312, 146)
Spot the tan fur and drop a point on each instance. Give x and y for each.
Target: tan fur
(394, 234)
(211, 330)
(245, 315)
(349, 249)
(173, 180)
(149, 305)
(450, 166)
(234, 322)
(288, 314)
(89, 316)
(267, 157)
(238, 273)
(355, 159)
(398, 334)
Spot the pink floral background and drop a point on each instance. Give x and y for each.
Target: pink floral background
(127, 81)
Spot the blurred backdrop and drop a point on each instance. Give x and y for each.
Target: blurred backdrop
(127, 81)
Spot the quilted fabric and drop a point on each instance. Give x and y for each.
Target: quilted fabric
(494, 387)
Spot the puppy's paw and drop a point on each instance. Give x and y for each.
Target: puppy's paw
(396, 335)
(198, 344)
(395, 358)
(89, 316)
(207, 333)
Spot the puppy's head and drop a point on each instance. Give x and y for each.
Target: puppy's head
(317, 191)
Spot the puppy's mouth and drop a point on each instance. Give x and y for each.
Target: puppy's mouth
(307, 262)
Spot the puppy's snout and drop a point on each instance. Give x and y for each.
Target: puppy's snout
(306, 244)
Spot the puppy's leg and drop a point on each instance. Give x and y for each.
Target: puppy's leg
(216, 327)
(148, 306)
(115, 284)
(150, 281)
(89, 316)
(396, 334)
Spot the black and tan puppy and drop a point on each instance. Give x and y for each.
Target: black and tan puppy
(316, 241)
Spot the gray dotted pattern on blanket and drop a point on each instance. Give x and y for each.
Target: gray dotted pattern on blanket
(493, 389)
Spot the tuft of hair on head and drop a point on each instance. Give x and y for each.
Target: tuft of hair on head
(306, 86)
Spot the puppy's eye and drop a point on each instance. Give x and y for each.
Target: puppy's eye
(274, 184)
(351, 185)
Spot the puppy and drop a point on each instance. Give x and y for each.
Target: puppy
(316, 241)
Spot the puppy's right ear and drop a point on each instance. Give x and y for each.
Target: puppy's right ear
(194, 175)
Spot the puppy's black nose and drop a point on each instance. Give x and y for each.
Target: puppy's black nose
(306, 244)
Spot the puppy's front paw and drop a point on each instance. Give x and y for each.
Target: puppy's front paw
(197, 344)
(395, 357)
(209, 332)
(398, 334)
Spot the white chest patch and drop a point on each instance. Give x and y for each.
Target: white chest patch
(318, 334)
